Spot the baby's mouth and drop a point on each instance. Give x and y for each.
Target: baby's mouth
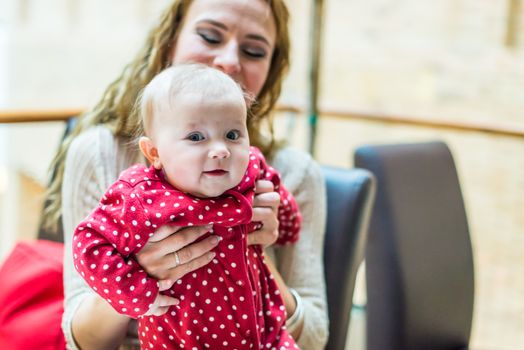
(215, 172)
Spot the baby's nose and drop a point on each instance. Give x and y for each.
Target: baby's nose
(219, 151)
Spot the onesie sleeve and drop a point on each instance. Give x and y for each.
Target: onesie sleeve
(103, 248)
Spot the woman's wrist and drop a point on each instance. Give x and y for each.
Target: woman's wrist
(292, 302)
(295, 320)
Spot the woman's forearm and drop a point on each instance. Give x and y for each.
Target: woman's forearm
(96, 325)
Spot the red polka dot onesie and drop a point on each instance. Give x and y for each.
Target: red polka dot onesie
(232, 302)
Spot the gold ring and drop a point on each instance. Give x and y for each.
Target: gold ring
(177, 258)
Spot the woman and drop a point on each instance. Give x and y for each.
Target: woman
(248, 40)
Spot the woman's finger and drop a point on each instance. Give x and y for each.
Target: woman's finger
(268, 233)
(182, 238)
(263, 186)
(265, 208)
(180, 271)
(157, 257)
(165, 300)
(267, 199)
(267, 216)
(163, 232)
(161, 305)
(262, 237)
(162, 267)
(196, 250)
(165, 285)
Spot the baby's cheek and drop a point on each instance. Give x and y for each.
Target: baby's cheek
(242, 166)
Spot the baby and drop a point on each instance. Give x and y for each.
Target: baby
(203, 172)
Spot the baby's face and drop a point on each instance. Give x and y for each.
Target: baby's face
(203, 144)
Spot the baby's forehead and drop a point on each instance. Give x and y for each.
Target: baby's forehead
(210, 96)
(201, 100)
(196, 107)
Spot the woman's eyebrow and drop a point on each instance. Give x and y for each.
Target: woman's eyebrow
(224, 27)
(258, 38)
(214, 23)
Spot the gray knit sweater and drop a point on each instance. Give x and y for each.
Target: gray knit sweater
(94, 162)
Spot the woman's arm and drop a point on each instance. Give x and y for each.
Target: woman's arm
(96, 325)
(88, 321)
(300, 265)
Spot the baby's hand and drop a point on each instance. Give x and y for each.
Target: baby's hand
(161, 305)
(164, 285)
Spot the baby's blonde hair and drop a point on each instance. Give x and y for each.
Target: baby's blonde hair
(197, 79)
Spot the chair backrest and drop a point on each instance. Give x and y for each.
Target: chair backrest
(419, 264)
(58, 234)
(350, 195)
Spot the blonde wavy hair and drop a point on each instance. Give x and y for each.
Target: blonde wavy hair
(116, 108)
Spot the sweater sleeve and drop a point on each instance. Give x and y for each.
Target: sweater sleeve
(92, 164)
(301, 265)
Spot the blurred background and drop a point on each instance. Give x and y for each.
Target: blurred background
(456, 65)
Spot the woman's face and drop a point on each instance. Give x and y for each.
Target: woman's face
(234, 36)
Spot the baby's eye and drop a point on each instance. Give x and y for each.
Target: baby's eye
(233, 135)
(195, 136)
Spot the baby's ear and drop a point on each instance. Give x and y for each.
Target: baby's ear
(150, 151)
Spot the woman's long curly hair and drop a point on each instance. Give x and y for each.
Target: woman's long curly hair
(116, 108)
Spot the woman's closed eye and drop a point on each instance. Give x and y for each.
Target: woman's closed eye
(253, 51)
(213, 37)
(195, 137)
(210, 36)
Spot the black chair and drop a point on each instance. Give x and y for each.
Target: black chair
(350, 195)
(419, 264)
(58, 234)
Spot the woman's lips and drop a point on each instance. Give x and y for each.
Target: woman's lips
(216, 172)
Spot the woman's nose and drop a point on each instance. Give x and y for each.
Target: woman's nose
(219, 151)
(227, 59)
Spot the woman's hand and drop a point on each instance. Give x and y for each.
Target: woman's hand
(265, 208)
(172, 252)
